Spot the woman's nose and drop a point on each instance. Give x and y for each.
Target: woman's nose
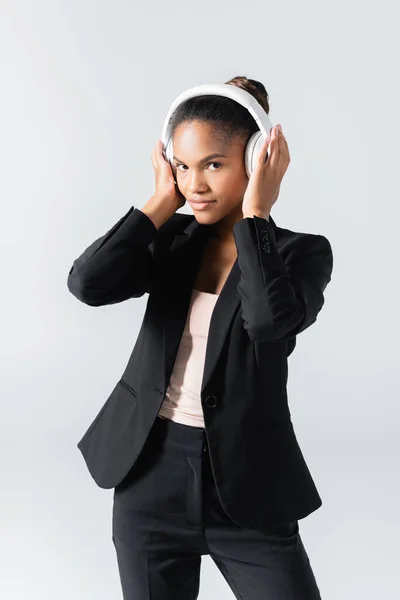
(197, 185)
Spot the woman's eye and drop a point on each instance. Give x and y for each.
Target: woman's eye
(212, 163)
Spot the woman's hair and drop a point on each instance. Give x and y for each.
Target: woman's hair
(230, 120)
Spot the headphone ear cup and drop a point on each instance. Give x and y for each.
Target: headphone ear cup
(252, 151)
(249, 159)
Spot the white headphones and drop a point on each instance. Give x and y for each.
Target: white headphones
(255, 142)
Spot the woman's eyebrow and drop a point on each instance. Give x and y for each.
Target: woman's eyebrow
(209, 157)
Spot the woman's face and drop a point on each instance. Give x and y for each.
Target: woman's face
(222, 179)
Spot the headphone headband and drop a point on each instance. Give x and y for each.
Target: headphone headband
(221, 89)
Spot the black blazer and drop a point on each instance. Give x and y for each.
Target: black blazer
(273, 292)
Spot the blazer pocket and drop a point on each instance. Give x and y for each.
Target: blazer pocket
(115, 406)
(128, 387)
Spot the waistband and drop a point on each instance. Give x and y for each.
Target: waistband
(170, 436)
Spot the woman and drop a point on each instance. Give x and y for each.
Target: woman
(213, 466)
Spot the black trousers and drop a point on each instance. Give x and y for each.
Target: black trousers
(167, 514)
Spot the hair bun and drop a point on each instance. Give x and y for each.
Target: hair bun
(253, 87)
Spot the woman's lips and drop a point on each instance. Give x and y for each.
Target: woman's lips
(201, 205)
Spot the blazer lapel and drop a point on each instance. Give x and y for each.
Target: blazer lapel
(185, 257)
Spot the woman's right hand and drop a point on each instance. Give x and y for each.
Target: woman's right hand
(166, 188)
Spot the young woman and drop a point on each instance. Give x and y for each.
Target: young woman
(196, 437)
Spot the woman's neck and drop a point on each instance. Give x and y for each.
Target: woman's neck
(222, 230)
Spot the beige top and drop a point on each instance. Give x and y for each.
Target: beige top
(182, 402)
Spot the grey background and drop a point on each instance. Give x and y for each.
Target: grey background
(85, 87)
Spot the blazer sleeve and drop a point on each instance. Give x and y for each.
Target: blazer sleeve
(280, 297)
(118, 265)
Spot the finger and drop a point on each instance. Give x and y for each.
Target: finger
(274, 154)
(285, 143)
(264, 150)
(153, 154)
(282, 148)
(284, 157)
(285, 148)
(156, 153)
(283, 160)
(162, 152)
(153, 160)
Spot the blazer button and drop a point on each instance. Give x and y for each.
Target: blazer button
(211, 401)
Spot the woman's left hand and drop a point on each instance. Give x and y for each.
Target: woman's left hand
(264, 183)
